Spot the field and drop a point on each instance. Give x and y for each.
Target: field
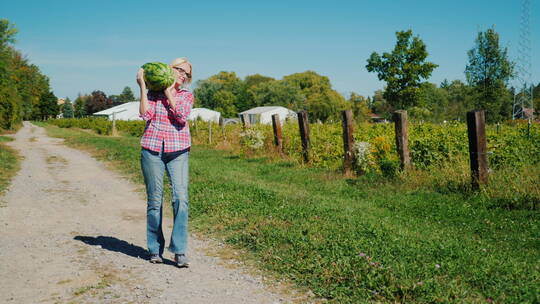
(398, 238)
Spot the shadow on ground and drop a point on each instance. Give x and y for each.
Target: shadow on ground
(113, 244)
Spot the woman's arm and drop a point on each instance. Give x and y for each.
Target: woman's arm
(180, 106)
(143, 105)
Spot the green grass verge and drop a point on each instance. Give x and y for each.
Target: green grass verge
(9, 163)
(353, 240)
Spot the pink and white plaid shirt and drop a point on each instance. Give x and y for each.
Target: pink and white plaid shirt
(167, 126)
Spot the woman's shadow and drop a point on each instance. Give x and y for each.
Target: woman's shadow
(113, 244)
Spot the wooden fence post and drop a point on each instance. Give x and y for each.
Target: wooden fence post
(209, 132)
(348, 141)
(402, 138)
(245, 120)
(278, 139)
(303, 123)
(114, 132)
(222, 125)
(476, 129)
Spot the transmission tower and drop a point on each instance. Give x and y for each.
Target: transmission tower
(523, 101)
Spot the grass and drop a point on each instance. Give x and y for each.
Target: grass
(353, 240)
(9, 163)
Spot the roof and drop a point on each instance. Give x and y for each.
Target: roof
(259, 110)
(204, 114)
(125, 111)
(124, 106)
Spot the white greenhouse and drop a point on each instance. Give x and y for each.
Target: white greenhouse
(204, 114)
(263, 115)
(125, 111)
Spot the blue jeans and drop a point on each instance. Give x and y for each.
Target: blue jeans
(153, 167)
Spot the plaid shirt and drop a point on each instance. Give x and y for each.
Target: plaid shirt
(166, 126)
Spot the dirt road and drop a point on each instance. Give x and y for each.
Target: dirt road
(72, 231)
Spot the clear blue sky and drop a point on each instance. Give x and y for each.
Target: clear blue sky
(89, 45)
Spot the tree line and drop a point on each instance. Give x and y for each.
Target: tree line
(25, 92)
(405, 72)
(88, 104)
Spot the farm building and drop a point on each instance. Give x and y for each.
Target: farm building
(263, 115)
(204, 114)
(125, 111)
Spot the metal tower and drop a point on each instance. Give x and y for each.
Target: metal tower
(523, 101)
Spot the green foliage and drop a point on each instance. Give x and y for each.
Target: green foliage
(24, 91)
(7, 33)
(277, 93)
(48, 106)
(488, 72)
(220, 92)
(321, 101)
(228, 94)
(126, 95)
(79, 107)
(67, 109)
(402, 70)
(360, 108)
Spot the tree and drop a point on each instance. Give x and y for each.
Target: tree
(380, 106)
(126, 95)
(321, 101)
(359, 106)
(220, 92)
(403, 70)
(98, 101)
(247, 95)
(79, 107)
(7, 33)
(67, 109)
(277, 93)
(488, 72)
(48, 105)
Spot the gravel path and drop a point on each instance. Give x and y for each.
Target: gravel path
(74, 232)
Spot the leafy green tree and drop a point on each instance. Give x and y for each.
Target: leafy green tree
(488, 72)
(277, 93)
(403, 70)
(433, 100)
(321, 101)
(225, 101)
(126, 95)
(79, 106)
(48, 105)
(204, 94)
(23, 88)
(7, 33)
(221, 92)
(380, 106)
(360, 108)
(247, 95)
(67, 109)
(459, 100)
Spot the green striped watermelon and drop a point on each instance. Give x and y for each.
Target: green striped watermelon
(158, 76)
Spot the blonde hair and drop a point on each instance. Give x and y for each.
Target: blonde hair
(179, 61)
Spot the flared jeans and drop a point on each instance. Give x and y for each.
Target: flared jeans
(154, 165)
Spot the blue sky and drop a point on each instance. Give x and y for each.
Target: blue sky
(99, 45)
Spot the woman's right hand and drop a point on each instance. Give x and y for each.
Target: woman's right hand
(140, 78)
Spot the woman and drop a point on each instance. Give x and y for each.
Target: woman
(165, 145)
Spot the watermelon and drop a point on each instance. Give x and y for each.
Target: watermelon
(158, 76)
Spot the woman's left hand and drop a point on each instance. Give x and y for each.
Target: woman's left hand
(170, 96)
